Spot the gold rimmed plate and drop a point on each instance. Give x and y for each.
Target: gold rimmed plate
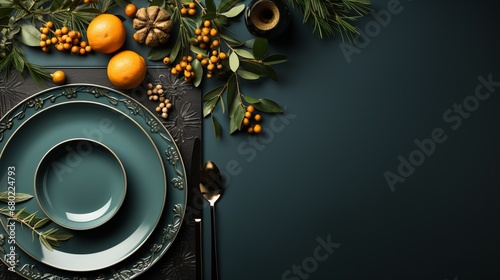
(75, 106)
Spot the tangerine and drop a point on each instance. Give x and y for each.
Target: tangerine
(127, 69)
(106, 33)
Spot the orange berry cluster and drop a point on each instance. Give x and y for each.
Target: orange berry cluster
(189, 9)
(62, 39)
(208, 38)
(255, 127)
(157, 93)
(184, 67)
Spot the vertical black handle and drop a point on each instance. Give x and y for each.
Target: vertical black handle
(215, 262)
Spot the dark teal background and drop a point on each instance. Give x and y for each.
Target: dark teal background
(317, 172)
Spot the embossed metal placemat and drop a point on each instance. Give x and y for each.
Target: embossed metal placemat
(184, 124)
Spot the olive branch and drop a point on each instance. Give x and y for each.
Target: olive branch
(49, 238)
(244, 60)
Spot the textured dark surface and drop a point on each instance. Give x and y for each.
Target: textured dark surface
(184, 123)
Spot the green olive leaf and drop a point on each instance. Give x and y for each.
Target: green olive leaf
(236, 118)
(210, 6)
(232, 91)
(260, 48)
(244, 53)
(260, 69)
(217, 127)
(247, 75)
(234, 11)
(234, 61)
(5, 11)
(275, 59)
(158, 53)
(209, 106)
(198, 72)
(264, 104)
(226, 5)
(175, 50)
(231, 41)
(29, 35)
(213, 93)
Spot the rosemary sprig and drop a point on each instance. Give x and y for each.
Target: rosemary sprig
(49, 238)
(327, 17)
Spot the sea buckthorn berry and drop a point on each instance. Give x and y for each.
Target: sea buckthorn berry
(82, 51)
(205, 31)
(222, 55)
(184, 11)
(206, 39)
(250, 130)
(49, 24)
(213, 32)
(257, 129)
(204, 62)
(250, 108)
(199, 56)
(58, 32)
(173, 71)
(64, 30)
(88, 49)
(42, 44)
(210, 67)
(207, 23)
(166, 60)
(192, 5)
(214, 59)
(192, 12)
(43, 37)
(54, 40)
(197, 31)
(257, 118)
(248, 115)
(215, 43)
(246, 121)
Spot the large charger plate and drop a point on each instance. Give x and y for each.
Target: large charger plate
(119, 238)
(168, 227)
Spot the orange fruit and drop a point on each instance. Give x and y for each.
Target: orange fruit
(106, 33)
(130, 10)
(58, 77)
(127, 69)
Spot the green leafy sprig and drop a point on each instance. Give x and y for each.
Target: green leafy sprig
(49, 238)
(328, 17)
(19, 22)
(247, 60)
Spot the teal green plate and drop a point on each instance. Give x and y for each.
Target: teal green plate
(80, 184)
(107, 116)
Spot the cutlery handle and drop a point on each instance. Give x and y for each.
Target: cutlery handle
(199, 249)
(215, 262)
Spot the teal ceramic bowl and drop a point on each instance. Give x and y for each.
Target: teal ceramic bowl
(80, 184)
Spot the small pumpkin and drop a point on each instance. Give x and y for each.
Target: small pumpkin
(153, 25)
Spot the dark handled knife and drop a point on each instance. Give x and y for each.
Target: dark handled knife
(197, 213)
